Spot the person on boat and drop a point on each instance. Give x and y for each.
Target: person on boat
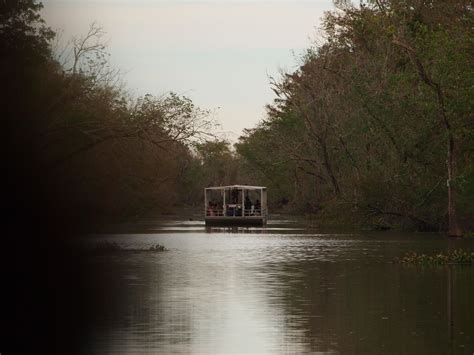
(258, 206)
(211, 208)
(247, 204)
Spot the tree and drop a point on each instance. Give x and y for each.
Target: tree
(374, 104)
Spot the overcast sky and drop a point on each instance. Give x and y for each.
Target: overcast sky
(218, 53)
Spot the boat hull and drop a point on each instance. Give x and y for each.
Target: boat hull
(235, 221)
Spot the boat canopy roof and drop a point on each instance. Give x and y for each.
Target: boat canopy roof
(241, 187)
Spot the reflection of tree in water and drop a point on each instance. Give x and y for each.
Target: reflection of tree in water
(350, 307)
(347, 305)
(133, 309)
(460, 293)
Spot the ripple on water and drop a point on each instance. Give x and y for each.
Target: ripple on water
(280, 289)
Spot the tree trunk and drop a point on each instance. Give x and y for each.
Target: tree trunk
(454, 230)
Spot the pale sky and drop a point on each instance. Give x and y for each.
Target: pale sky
(218, 53)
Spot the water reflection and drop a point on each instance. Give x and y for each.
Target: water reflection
(278, 291)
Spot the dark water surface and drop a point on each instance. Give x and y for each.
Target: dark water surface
(279, 289)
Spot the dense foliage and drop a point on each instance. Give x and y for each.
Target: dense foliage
(78, 147)
(378, 119)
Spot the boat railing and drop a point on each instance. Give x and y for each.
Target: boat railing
(252, 212)
(211, 212)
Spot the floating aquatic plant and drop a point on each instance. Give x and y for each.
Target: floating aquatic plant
(157, 247)
(457, 256)
(106, 246)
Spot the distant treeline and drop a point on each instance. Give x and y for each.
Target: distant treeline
(377, 124)
(369, 130)
(81, 150)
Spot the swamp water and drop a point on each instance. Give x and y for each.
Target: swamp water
(278, 289)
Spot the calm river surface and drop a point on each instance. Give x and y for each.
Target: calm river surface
(278, 289)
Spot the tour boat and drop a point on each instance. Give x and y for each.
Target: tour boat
(235, 205)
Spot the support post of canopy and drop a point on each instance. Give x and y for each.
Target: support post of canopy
(224, 212)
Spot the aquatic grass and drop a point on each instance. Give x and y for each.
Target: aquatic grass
(457, 256)
(107, 246)
(157, 247)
